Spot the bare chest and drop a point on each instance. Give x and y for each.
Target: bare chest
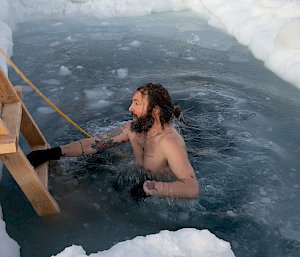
(149, 155)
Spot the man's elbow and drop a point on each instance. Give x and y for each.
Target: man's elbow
(194, 190)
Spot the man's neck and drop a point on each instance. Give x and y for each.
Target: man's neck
(155, 130)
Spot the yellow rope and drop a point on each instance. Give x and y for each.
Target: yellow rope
(29, 83)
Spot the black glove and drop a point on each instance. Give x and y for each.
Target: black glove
(137, 192)
(38, 157)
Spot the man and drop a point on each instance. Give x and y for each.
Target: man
(158, 148)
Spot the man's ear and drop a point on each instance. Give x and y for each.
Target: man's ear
(156, 111)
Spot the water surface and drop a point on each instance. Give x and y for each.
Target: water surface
(239, 120)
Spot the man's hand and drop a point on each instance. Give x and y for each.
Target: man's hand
(137, 192)
(149, 187)
(38, 157)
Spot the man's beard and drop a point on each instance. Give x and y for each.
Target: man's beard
(142, 124)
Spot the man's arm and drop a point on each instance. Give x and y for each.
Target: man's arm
(186, 185)
(81, 147)
(96, 144)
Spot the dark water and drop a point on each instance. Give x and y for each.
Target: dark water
(239, 120)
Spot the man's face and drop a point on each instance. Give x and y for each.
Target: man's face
(139, 104)
(142, 120)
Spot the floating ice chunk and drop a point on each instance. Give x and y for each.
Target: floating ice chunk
(106, 36)
(122, 73)
(98, 93)
(198, 94)
(135, 43)
(231, 213)
(195, 39)
(99, 97)
(57, 24)
(45, 110)
(99, 104)
(262, 192)
(124, 48)
(191, 58)
(220, 118)
(266, 200)
(55, 43)
(69, 38)
(169, 53)
(79, 67)
(64, 71)
(97, 206)
(231, 133)
(51, 82)
(245, 134)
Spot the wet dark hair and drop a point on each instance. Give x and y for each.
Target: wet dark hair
(159, 96)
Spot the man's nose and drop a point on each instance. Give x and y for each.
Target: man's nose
(130, 108)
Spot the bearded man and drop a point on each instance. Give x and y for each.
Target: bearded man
(158, 148)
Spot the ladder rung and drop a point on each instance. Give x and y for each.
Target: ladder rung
(8, 144)
(11, 117)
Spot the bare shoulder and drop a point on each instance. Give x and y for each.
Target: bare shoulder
(172, 139)
(120, 134)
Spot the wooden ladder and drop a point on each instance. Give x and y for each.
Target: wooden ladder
(14, 117)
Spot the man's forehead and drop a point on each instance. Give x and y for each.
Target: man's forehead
(138, 96)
